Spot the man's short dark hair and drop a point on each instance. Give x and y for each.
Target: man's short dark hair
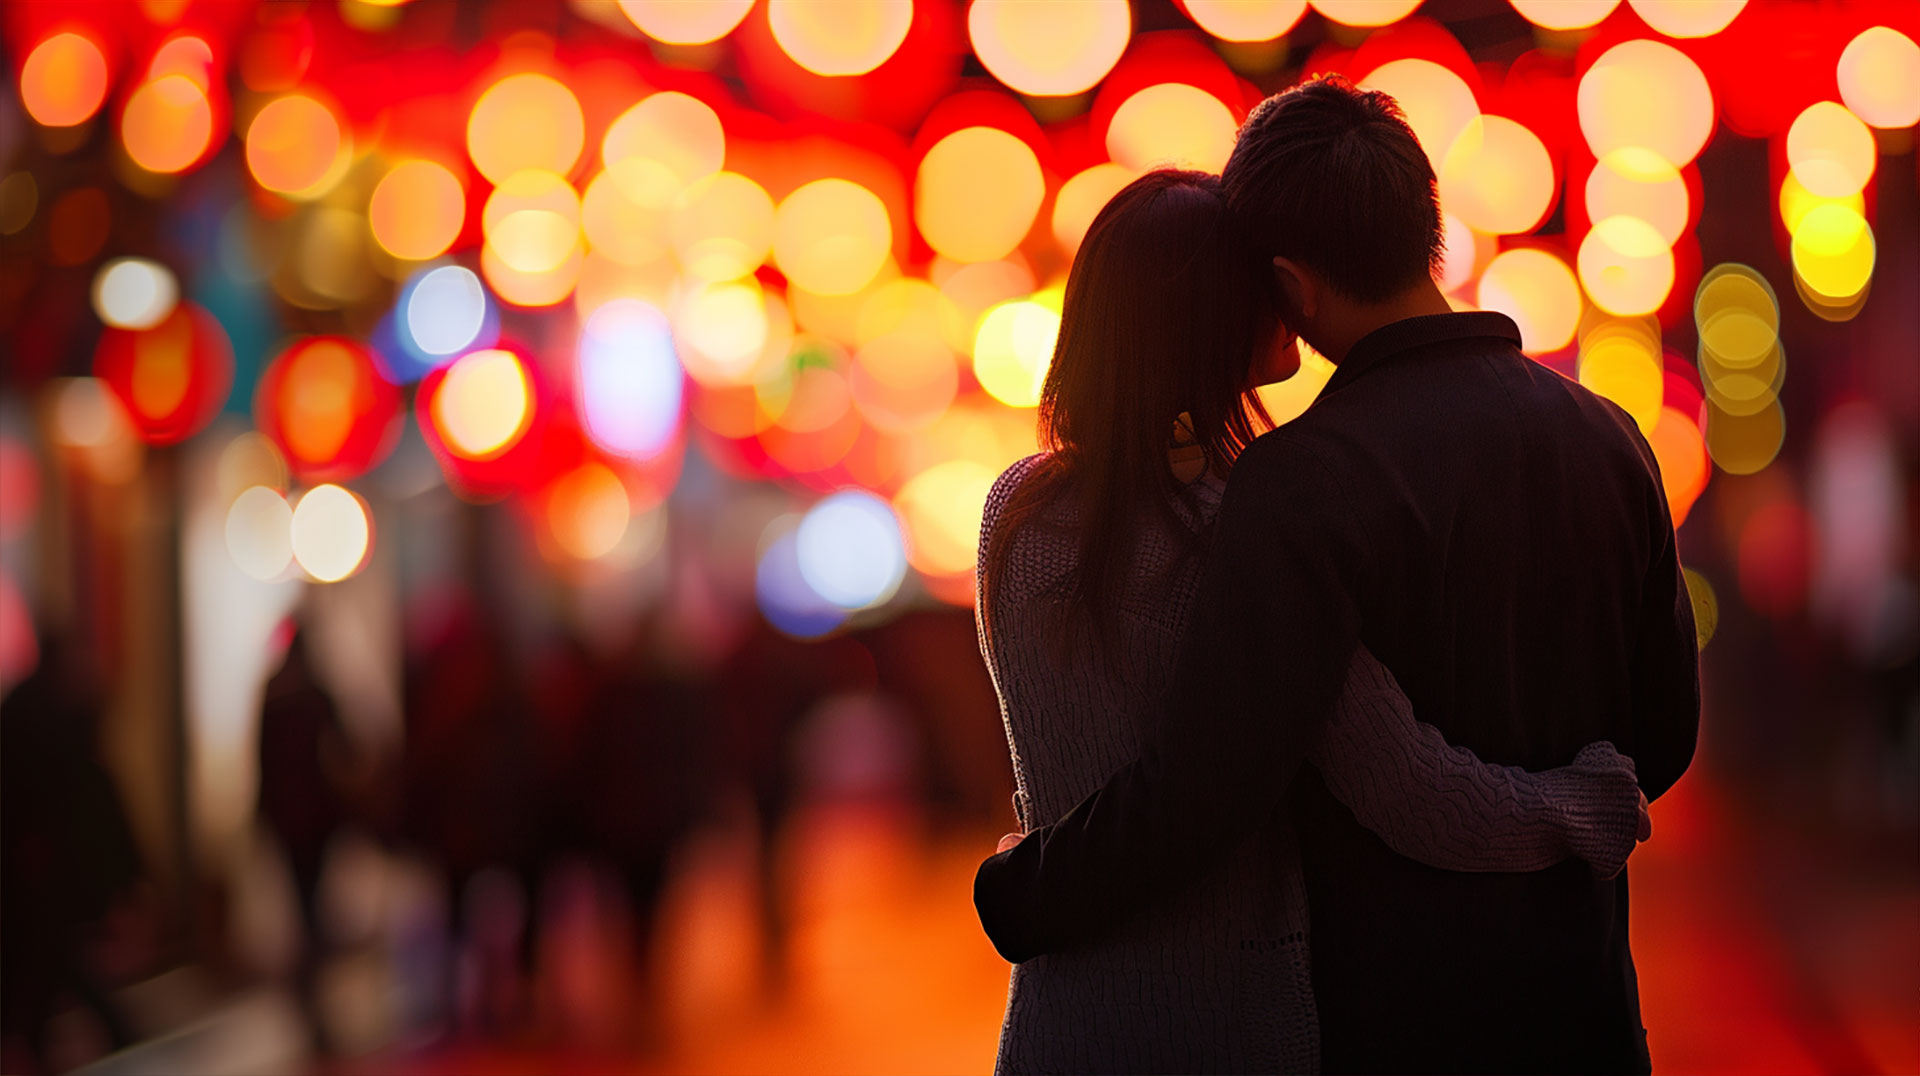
(1332, 177)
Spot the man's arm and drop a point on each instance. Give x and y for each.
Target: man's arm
(1263, 661)
(1666, 663)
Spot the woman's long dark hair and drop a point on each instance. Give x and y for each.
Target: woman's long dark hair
(1164, 308)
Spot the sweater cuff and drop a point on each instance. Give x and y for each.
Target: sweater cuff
(1597, 803)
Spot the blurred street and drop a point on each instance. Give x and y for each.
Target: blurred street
(890, 973)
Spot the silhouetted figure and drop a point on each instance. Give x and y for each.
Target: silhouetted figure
(67, 854)
(302, 748)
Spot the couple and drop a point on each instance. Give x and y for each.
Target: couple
(1314, 731)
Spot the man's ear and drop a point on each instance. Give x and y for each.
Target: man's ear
(1299, 293)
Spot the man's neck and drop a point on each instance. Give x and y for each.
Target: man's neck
(1356, 320)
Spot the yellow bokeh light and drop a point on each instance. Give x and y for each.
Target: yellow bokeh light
(1618, 367)
(977, 193)
(1736, 315)
(831, 236)
(259, 533)
(903, 380)
(588, 511)
(686, 22)
(1564, 14)
(1706, 604)
(1012, 350)
(1745, 444)
(1637, 182)
(1049, 48)
(678, 137)
(846, 37)
(525, 121)
(1647, 94)
(1538, 292)
(1289, 399)
(1831, 152)
(332, 533)
(63, 81)
(722, 330)
(1081, 199)
(1626, 267)
(722, 227)
(1833, 252)
(837, 317)
(628, 229)
(1365, 12)
(295, 147)
(1246, 20)
(1497, 177)
(484, 405)
(1879, 75)
(1172, 124)
(167, 124)
(532, 289)
(940, 509)
(1438, 106)
(417, 210)
(532, 221)
(1796, 201)
(1687, 18)
(907, 304)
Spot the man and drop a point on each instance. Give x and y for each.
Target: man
(1498, 537)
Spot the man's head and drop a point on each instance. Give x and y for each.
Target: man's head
(1332, 184)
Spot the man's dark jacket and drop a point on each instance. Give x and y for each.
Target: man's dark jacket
(1498, 536)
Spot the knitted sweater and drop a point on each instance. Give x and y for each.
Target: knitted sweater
(1219, 980)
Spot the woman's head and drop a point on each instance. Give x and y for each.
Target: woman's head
(1166, 312)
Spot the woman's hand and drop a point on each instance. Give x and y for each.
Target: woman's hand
(1009, 841)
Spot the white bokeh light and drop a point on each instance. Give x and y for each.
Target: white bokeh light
(630, 381)
(851, 551)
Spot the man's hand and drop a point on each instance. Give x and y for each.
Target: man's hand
(1012, 839)
(1646, 823)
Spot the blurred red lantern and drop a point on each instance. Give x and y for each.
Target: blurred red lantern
(323, 402)
(171, 378)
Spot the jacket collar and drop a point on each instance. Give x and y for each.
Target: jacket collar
(1410, 334)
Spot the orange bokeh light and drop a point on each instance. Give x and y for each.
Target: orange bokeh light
(1246, 20)
(64, 80)
(483, 406)
(1638, 182)
(846, 37)
(831, 236)
(167, 124)
(1172, 123)
(1497, 177)
(525, 121)
(295, 147)
(1538, 292)
(977, 193)
(686, 22)
(1879, 73)
(1565, 14)
(1626, 267)
(1831, 152)
(1648, 94)
(1049, 48)
(1438, 105)
(417, 210)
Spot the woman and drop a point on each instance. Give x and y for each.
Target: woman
(1090, 555)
